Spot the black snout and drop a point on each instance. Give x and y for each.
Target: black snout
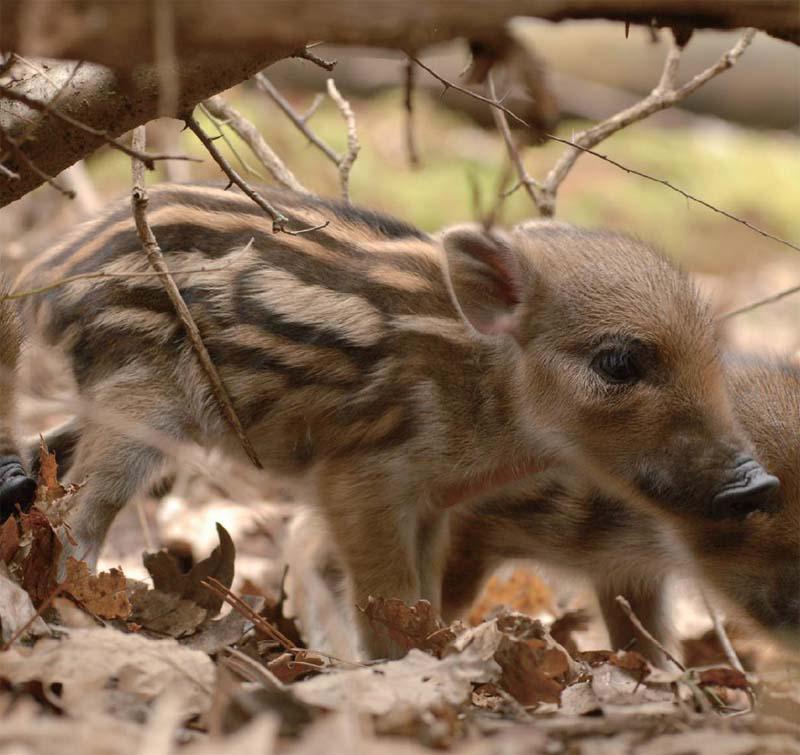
(16, 488)
(752, 489)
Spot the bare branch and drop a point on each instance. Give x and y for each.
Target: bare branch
(139, 200)
(665, 94)
(411, 142)
(268, 88)
(610, 161)
(343, 162)
(250, 135)
(34, 104)
(279, 220)
(353, 147)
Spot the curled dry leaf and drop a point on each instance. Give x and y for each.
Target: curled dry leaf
(724, 676)
(179, 604)
(104, 595)
(220, 564)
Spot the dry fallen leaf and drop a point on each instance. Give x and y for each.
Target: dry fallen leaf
(104, 595)
(106, 670)
(523, 592)
(17, 611)
(48, 487)
(178, 603)
(409, 627)
(9, 539)
(42, 548)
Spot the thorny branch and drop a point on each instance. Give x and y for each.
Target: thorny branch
(524, 178)
(279, 220)
(139, 200)
(250, 135)
(575, 146)
(147, 159)
(344, 162)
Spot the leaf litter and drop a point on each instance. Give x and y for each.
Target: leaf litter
(101, 663)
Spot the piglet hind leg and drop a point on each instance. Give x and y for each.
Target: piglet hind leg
(385, 550)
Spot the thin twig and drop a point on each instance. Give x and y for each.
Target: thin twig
(343, 162)
(266, 86)
(306, 54)
(139, 200)
(691, 197)
(260, 623)
(722, 636)
(353, 147)
(29, 623)
(411, 141)
(219, 124)
(8, 173)
(634, 619)
(103, 275)
(279, 220)
(761, 302)
(20, 154)
(250, 135)
(44, 107)
(525, 179)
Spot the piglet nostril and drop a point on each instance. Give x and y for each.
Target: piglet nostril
(753, 490)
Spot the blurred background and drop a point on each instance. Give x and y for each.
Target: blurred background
(734, 143)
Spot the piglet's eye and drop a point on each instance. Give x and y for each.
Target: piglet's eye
(617, 366)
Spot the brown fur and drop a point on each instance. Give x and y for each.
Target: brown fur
(397, 372)
(754, 564)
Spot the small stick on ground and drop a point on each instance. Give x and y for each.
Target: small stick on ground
(29, 623)
(279, 220)
(722, 636)
(634, 619)
(238, 605)
(139, 200)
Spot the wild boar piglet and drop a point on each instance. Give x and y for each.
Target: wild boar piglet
(752, 563)
(398, 373)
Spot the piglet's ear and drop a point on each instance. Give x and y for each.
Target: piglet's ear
(484, 275)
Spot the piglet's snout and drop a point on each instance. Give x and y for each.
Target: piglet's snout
(751, 489)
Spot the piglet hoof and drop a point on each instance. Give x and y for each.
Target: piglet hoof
(17, 490)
